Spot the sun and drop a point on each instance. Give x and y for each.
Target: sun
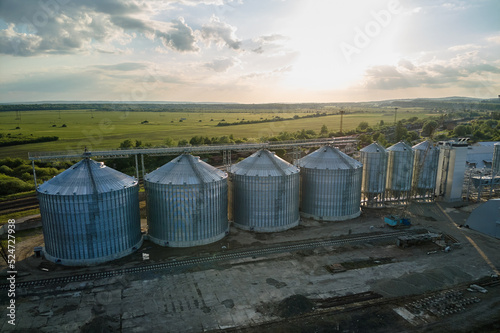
(319, 33)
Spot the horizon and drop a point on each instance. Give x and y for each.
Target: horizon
(447, 98)
(235, 51)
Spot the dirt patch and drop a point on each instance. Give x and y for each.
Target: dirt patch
(263, 236)
(103, 324)
(275, 283)
(293, 306)
(228, 303)
(418, 283)
(356, 264)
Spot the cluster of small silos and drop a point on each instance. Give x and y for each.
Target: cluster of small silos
(90, 212)
(398, 173)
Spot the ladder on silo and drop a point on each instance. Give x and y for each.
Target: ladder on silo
(90, 225)
(226, 159)
(200, 196)
(281, 190)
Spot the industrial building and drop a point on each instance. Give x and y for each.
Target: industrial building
(90, 215)
(482, 173)
(265, 191)
(330, 185)
(374, 160)
(186, 203)
(495, 165)
(451, 170)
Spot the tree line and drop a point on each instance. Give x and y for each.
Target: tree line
(13, 140)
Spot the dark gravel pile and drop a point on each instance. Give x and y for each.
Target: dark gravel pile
(293, 306)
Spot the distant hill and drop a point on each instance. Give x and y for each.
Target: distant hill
(445, 103)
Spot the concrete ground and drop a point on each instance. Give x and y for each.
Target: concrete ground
(234, 294)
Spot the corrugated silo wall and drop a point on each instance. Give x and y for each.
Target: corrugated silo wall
(399, 171)
(266, 204)
(230, 196)
(425, 168)
(89, 229)
(374, 172)
(331, 195)
(187, 215)
(496, 160)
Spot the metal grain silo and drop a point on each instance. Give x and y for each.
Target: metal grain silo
(495, 166)
(330, 185)
(399, 172)
(186, 203)
(425, 165)
(265, 193)
(374, 160)
(90, 214)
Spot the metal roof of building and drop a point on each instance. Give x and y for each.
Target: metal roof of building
(486, 143)
(480, 155)
(486, 218)
(400, 146)
(185, 169)
(87, 177)
(263, 163)
(328, 158)
(373, 148)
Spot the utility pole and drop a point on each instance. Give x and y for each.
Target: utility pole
(342, 112)
(395, 115)
(18, 117)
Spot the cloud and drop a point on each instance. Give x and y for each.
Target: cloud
(221, 65)
(266, 43)
(14, 43)
(494, 39)
(124, 66)
(406, 64)
(463, 70)
(63, 27)
(43, 82)
(180, 37)
(221, 33)
(464, 47)
(277, 72)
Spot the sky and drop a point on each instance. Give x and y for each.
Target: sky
(248, 51)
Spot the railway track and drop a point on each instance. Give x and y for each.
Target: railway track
(204, 260)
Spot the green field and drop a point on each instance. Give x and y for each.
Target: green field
(99, 130)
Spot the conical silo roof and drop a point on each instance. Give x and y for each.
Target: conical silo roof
(185, 169)
(423, 145)
(328, 158)
(263, 163)
(373, 148)
(87, 177)
(400, 146)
